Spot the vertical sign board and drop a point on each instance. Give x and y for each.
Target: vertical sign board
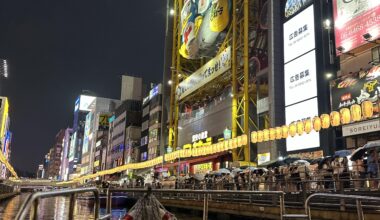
(300, 74)
(353, 19)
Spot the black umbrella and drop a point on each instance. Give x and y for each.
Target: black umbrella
(358, 153)
(323, 161)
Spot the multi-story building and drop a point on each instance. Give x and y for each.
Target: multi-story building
(55, 156)
(94, 120)
(151, 124)
(64, 170)
(125, 125)
(357, 38)
(5, 134)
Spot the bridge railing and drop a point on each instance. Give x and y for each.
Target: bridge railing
(33, 200)
(277, 197)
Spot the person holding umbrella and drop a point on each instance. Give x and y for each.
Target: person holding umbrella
(373, 167)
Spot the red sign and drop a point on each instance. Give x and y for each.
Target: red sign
(353, 19)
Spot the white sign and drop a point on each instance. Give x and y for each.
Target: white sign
(212, 69)
(361, 127)
(299, 34)
(85, 102)
(200, 136)
(300, 78)
(262, 158)
(262, 105)
(300, 111)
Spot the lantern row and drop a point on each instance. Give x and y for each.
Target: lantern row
(184, 153)
(345, 116)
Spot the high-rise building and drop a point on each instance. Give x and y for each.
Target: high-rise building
(55, 156)
(151, 124)
(64, 170)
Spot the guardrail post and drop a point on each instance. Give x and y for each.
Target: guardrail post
(71, 206)
(97, 204)
(359, 209)
(35, 210)
(282, 206)
(205, 206)
(108, 202)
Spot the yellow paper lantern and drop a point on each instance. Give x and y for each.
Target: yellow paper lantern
(244, 139)
(272, 134)
(335, 118)
(278, 132)
(260, 136)
(292, 129)
(317, 123)
(221, 146)
(367, 109)
(308, 126)
(300, 127)
(325, 119)
(225, 145)
(356, 112)
(239, 143)
(345, 116)
(234, 143)
(230, 144)
(285, 131)
(266, 134)
(254, 137)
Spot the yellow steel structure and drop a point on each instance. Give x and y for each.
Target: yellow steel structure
(243, 95)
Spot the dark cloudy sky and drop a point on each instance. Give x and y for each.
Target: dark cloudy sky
(56, 49)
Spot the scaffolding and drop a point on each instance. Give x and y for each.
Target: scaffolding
(239, 78)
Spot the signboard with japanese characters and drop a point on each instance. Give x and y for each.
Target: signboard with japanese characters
(300, 79)
(355, 89)
(353, 19)
(299, 34)
(212, 69)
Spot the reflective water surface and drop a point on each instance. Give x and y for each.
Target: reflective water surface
(57, 208)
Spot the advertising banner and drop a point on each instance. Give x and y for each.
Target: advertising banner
(299, 34)
(353, 19)
(262, 158)
(103, 122)
(355, 89)
(202, 25)
(300, 79)
(300, 111)
(72, 147)
(294, 6)
(205, 74)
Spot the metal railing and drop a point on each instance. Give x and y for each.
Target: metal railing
(357, 198)
(177, 193)
(33, 200)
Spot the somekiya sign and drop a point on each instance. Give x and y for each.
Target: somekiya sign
(353, 19)
(361, 128)
(212, 69)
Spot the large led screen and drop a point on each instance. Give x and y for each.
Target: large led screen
(300, 111)
(353, 19)
(300, 79)
(299, 34)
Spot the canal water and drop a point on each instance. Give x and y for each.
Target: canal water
(57, 209)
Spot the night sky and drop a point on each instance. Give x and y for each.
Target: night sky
(56, 49)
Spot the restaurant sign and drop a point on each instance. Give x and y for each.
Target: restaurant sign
(361, 127)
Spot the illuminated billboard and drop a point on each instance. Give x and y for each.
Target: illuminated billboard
(300, 111)
(293, 6)
(356, 88)
(353, 19)
(72, 147)
(212, 69)
(300, 79)
(299, 34)
(87, 127)
(203, 23)
(84, 103)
